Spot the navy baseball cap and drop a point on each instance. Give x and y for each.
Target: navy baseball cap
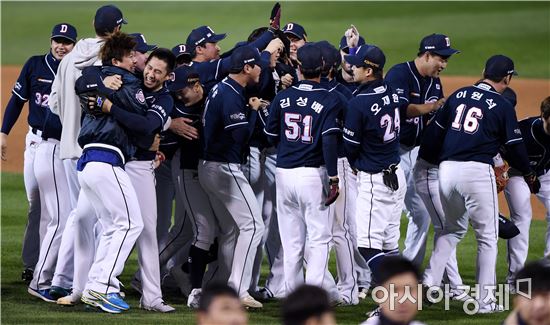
(181, 49)
(330, 54)
(367, 55)
(344, 43)
(201, 35)
(142, 45)
(242, 56)
(107, 18)
(437, 43)
(310, 56)
(184, 76)
(296, 30)
(64, 30)
(499, 66)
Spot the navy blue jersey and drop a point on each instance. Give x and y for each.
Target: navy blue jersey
(33, 85)
(430, 144)
(298, 118)
(52, 126)
(371, 128)
(225, 111)
(476, 121)
(351, 86)
(191, 150)
(537, 143)
(412, 88)
(160, 105)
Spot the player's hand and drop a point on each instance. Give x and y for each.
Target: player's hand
(99, 104)
(334, 191)
(159, 159)
(4, 140)
(533, 182)
(156, 143)
(276, 45)
(275, 18)
(257, 103)
(113, 82)
(437, 104)
(287, 80)
(182, 127)
(352, 37)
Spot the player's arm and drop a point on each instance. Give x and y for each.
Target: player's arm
(223, 66)
(20, 95)
(272, 127)
(330, 132)
(512, 139)
(238, 119)
(353, 128)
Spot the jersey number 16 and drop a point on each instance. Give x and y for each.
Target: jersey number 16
(471, 121)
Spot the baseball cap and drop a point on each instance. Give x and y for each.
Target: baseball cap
(184, 76)
(142, 45)
(499, 66)
(330, 54)
(107, 18)
(64, 30)
(344, 43)
(203, 34)
(367, 55)
(310, 56)
(243, 55)
(180, 49)
(437, 43)
(296, 30)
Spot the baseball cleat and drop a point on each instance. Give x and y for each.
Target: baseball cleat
(363, 293)
(250, 302)
(42, 294)
(27, 275)
(374, 313)
(58, 292)
(491, 308)
(459, 295)
(161, 307)
(109, 300)
(194, 298)
(70, 300)
(182, 280)
(262, 295)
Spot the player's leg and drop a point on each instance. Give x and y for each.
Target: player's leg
(456, 221)
(31, 238)
(518, 197)
(165, 193)
(343, 240)
(292, 228)
(114, 191)
(427, 186)
(482, 205)
(544, 197)
(50, 176)
(392, 233)
(419, 219)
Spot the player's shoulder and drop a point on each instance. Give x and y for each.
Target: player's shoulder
(399, 70)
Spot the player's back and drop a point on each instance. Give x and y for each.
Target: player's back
(477, 120)
(304, 113)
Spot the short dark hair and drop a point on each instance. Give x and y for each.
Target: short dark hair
(165, 55)
(305, 302)
(377, 73)
(537, 272)
(391, 266)
(310, 73)
(255, 34)
(545, 108)
(116, 46)
(214, 291)
(493, 78)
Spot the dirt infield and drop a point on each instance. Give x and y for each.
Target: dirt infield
(530, 94)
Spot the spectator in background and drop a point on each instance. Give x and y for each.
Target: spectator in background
(220, 305)
(307, 305)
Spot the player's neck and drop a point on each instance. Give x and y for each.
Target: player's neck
(239, 78)
(498, 86)
(419, 68)
(317, 80)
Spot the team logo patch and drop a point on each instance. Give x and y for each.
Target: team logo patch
(415, 94)
(237, 117)
(45, 80)
(140, 97)
(17, 86)
(438, 86)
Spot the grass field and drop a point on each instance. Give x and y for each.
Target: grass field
(479, 29)
(18, 307)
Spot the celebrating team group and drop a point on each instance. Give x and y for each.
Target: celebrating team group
(280, 146)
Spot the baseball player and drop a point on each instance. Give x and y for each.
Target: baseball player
(187, 89)
(144, 128)
(473, 124)
(227, 123)
(64, 102)
(345, 75)
(420, 92)
(303, 123)
(371, 138)
(41, 162)
(183, 56)
(33, 85)
(536, 136)
(141, 50)
(107, 186)
(298, 38)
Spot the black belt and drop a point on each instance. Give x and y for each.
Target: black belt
(36, 130)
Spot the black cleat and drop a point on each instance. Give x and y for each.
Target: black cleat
(27, 275)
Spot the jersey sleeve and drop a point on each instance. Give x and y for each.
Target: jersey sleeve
(22, 86)
(512, 132)
(235, 112)
(162, 108)
(353, 124)
(399, 83)
(332, 122)
(274, 119)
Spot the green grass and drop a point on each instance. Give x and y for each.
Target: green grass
(520, 30)
(18, 307)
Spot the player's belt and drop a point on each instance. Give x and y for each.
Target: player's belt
(36, 131)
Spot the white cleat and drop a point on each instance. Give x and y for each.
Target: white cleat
(250, 302)
(491, 308)
(194, 298)
(161, 307)
(70, 300)
(363, 293)
(460, 295)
